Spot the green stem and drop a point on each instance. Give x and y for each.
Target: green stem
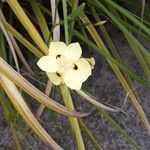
(64, 4)
(65, 91)
(73, 121)
(75, 5)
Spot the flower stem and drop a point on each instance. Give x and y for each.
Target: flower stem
(65, 91)
(73, 121)
(64, 4)
(75, 5)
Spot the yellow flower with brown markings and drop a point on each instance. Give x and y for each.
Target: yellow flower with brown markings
(65, 65)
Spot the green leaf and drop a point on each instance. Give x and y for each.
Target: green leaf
(129, 15)
(21, 39)
(41, 19)
(2, 46)
(22, 108)
(137, 48)
(23, 18)
(106, 55)
(76, 12)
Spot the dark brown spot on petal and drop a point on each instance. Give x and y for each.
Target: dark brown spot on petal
(58, 56)
(58, 74)
(75, 67)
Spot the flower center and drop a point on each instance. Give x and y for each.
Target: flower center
(63, 64)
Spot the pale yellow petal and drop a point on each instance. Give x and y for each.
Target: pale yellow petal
(56, 48)
(73, 52)
(48, 64)
(83, 68)
(54, 78)
(73, 80)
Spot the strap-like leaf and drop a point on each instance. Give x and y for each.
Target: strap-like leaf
(21, 107)
(90, 98)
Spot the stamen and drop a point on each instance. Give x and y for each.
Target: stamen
(58, 56)
(58, 74)
(75, 67)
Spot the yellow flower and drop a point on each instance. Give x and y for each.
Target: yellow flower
(65, 65)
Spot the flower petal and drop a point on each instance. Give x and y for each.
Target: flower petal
(83, 68)
(73, 80)
(48, 64)
(54, 78)
(73, 52)
(56, 48)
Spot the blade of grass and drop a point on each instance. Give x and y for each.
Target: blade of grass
(113, 48)
(133, 40)
(21, 39)
(10, 45)
(110, 58)
(90, 98)
(47, 92)
(55, 20)
(66, 27)
(140, 52)
(2, 46)
(17, 9)
(137, 6)
(135, 30)
(22, 58)
(45, 9)
(136, 46)
(9, 121)
(22, 108)
(119, 76)
(75, 6)
(76, 10)
(142, 14)
(129, 15)
(41, 20)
